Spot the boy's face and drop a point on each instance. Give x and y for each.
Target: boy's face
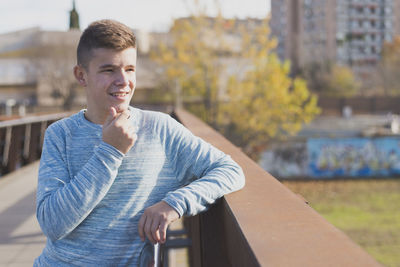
(109, 80)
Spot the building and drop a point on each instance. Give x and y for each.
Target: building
(349, 32)
(36, 67)
(30, 59)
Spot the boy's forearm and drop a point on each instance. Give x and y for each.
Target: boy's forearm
(196, 197)
(60, 209)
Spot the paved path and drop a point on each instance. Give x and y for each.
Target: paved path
(21, 239)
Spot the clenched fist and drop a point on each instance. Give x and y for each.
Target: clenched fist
(119, 131)
(155, 220)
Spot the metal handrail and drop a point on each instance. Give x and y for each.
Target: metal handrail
(21, 140)
(264, 224)
(34, 119)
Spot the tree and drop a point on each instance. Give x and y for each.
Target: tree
(341, 82)
(190, 67)
(266, 103)
(259, 100)
(331, 79)
(316, 74)
(388, 78)
(53, 65)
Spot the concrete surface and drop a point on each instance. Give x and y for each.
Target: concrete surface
(21, 239)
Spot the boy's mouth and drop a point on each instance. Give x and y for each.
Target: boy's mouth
(119, 94)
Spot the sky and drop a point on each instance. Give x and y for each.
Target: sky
(148, 15)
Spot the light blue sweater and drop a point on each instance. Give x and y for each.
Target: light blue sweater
(90, 196)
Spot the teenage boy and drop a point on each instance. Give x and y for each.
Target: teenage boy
(113, 177)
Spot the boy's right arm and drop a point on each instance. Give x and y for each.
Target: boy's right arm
(63, 202)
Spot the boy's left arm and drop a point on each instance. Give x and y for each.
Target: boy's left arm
(206, 173)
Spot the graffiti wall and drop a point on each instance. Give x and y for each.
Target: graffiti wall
(353, 157)
(328, 158)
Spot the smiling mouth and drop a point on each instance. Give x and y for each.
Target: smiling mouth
(119, 94)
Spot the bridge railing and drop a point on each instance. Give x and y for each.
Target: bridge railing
(21, 140)
(264, 224)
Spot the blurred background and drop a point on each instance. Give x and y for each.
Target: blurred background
(308, 89)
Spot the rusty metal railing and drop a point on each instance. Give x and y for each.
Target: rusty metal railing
(21, 140)
(264, 224)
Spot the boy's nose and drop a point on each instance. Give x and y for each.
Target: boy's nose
(122, 78)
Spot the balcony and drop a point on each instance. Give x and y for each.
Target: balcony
(364, 16)
(265, 224)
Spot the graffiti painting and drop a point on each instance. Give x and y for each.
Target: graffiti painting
(356, 157)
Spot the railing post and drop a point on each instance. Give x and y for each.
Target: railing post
(27, 141)
(15, 149)
(43, 127)
(192, 224)
(213, 246)
(35, 148)
(6, 146)
(217, 239)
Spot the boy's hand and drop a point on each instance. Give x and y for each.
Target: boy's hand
(118, 131)
(155, 220)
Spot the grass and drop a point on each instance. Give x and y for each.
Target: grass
(368, 211)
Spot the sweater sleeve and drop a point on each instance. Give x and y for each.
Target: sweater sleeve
(205, 172)
(63, 202)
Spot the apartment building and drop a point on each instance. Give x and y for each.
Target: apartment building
(349, 32)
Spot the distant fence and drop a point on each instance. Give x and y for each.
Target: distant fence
(335, 158)
(360, 105)
(21, 140)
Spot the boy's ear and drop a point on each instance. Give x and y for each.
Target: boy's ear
(80, 75)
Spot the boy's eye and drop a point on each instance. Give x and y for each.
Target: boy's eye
(106, 70)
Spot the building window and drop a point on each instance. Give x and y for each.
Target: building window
(388, 38)
(372, 10)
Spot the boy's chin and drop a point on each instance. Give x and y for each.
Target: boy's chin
(121, 108)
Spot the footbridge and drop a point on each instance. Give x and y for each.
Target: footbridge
(265, 224)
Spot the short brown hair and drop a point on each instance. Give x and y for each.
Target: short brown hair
(104, 34)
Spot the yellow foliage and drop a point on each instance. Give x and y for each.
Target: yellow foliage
(342, 82)
(388, 69)
(260, 100)
(267, 103)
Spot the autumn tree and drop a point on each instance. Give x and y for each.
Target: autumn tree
(316, 74)
(331, 79)
(341, 82)
(52, 56)
(264, 102)
(388, 78)
(53, 67)
(225, 72)
(191, 66)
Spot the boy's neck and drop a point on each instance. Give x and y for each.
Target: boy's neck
(94, 119)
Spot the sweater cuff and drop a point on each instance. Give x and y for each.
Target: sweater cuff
(107, 151)
(175, 205)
